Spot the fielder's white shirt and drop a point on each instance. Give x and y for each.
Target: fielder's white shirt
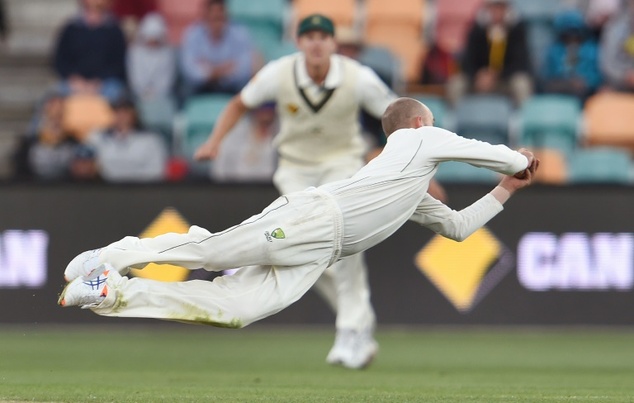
(371, 93)
(395, 184)
(319, 122)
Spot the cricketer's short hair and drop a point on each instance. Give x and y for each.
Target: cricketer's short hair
(400, 113)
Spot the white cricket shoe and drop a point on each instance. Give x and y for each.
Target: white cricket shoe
(85, 265)
(353, 349)
(84, 292)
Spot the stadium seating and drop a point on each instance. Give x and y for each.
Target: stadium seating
(84, 113)
(540, 35)
(158, 115)
(178, 16)
(384, 63)
(437, 106)
(550, 121)
(393, 12)
(601, 165)
(553, 168)
(199, 117)
(342, 12)
(403, 42)
(459, 172)
(609, 120)
(537, 10)
(484, 117)
(398, 26)
(265, 20)
(453, 19)
(275, 50)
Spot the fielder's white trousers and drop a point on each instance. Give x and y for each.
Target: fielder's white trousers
(344, 285)
(283, 251)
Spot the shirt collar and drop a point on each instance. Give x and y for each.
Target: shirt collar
(333, 78)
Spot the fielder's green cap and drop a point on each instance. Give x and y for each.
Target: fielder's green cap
(316, 22)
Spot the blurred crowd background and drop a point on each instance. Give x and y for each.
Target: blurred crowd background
(125, 90)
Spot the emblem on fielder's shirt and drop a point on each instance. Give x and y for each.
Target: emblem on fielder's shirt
(277, 233)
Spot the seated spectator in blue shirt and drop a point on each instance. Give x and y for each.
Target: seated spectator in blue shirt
(90, 52)
(217, 56)
(572, 61)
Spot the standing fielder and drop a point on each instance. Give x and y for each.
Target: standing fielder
(296, 238)
(318, 95)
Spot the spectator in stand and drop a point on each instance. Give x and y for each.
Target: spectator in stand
(90, 52)
(52, 150)
(248, 155)
(83, 167)
(572, 61)
(151, 62)
(496, 57)
(439, 66)
(216, 55)
(125, 153)
(131, 12)
(616, 53)
(599, 12)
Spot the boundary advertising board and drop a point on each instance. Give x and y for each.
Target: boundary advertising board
(556, 255)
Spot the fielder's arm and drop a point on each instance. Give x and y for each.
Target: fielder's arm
(458, 225)
(234, 110)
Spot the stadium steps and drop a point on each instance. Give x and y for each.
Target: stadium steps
(25, 67)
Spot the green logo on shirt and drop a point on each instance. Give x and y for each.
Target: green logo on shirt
(278, 234)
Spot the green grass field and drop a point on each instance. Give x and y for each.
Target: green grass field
(182, 363)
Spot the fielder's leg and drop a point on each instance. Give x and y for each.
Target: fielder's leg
(234, 301)
(347, 283)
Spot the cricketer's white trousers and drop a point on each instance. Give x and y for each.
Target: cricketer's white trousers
(283, 251)
(344, 285)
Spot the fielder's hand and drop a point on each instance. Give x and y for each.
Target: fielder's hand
(207, 151)
(521, 179)
(530, 157)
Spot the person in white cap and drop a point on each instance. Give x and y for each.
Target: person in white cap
(151, 61)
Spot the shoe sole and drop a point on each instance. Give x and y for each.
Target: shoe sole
(61, 300)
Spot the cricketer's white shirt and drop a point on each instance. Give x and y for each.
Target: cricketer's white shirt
(371, 93)
(395, 185)
(318, 121)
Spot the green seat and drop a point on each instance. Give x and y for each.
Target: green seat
(436, 105)
(460, 172)
(384, 63)
(273, 50)
(158, 115)
(550, 121)
(537, 10)
(245, 11)
(265, 20)
(600, 165)
(484, 117)
(200, 115)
